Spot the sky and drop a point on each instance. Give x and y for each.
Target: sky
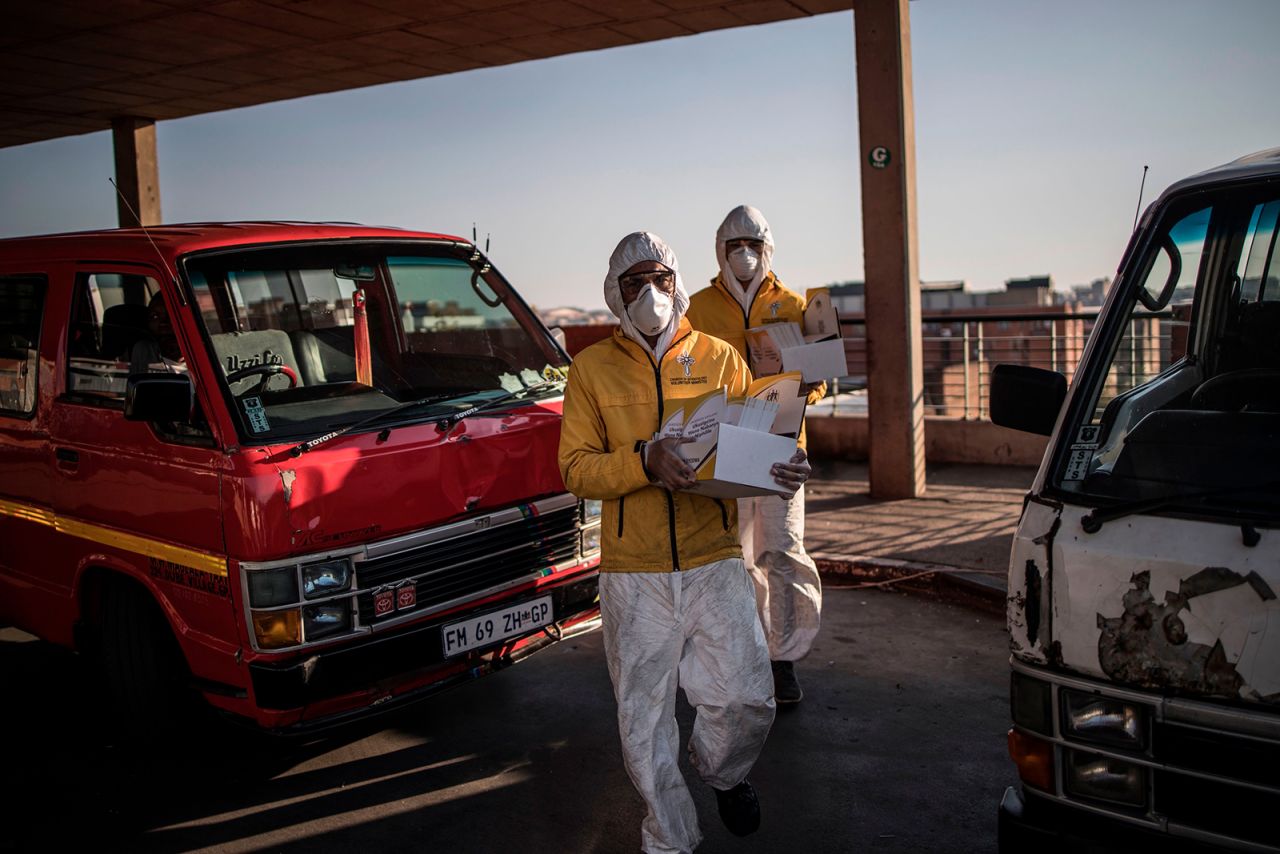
(1034, 119)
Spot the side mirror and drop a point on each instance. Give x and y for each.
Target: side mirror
(1026, 399)
(1156, 301)
(160, 397)
(558, 334)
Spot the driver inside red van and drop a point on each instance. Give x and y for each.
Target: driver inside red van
(158, 353)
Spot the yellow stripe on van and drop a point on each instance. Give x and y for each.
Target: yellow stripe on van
(25, 511)
(202, 561)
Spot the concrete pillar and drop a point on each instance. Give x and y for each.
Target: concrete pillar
(137, 171)
(886, 129)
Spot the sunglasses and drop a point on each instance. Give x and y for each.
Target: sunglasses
(663, 280)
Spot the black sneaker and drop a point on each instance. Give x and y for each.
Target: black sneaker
(786, 689)
(739, 809)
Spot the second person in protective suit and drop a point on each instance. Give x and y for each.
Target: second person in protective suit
(677, 603)
(747, 294)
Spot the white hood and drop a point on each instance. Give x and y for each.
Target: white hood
(634, 248)
(744, 221)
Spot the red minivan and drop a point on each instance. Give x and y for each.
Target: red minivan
(307, 470)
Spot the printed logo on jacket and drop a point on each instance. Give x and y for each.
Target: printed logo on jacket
(687, 361)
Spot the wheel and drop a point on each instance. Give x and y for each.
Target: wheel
(266, 372)
(146, 675)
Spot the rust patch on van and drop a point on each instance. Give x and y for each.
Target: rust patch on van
(1147, 645)
(286, 480)
(1032, 606)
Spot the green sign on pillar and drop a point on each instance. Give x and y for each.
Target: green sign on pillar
(878, 157)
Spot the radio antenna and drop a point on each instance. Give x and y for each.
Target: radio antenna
(1141, 187)
(164, 263)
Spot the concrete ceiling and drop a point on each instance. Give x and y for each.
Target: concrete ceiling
(68, 67)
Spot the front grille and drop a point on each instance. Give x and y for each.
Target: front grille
(378, 659)
(475, 561)
(1210, 752)
(1219, 807)
(1234, 811)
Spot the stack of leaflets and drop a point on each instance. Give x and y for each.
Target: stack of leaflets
(735, 441)
(816, 350)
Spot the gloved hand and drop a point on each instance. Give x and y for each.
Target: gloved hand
(665, 465)
(792, 474)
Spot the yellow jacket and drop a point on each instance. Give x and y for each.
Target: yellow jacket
(613, 402)
(717, 312)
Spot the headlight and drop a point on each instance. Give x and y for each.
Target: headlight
(276, 629)
(1103, 720)
(1030, 703)
(590, 540)
(591, 509)
(1102, 778)
(321, 579)
(330, 618)
(271, 587)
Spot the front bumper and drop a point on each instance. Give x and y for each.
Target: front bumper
(334, 686)
(1031, 824)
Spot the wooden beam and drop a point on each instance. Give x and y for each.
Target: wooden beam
(137, 171)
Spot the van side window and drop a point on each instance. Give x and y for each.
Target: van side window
(1259, 269)
(1146, 348)
(21, 311)
(1189, 403)
(108, 320)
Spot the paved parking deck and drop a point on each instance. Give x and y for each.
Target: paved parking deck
(898, 747)
(965, 519)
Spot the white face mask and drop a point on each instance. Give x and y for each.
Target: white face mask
(650, 311)
(744, 262)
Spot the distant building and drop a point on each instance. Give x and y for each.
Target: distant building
(1031, 291)
(1092, 294)
(570, 316)
(965, 332)
(849, 298)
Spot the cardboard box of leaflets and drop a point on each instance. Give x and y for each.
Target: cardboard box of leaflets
(816, 350)
(737, 441)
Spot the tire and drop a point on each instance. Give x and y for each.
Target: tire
(146, 675)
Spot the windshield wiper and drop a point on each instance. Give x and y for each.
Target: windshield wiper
(1093, 521)
(446, 424)
(299, 450)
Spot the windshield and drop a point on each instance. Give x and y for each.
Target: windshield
(314, 338)
(1183, 407)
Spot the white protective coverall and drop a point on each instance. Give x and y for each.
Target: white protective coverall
(697, 629)
(788, 590)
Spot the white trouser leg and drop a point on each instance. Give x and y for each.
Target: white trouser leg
(643, 641)
(788, 590)
(725, 673)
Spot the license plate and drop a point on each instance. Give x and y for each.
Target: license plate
(494, 626)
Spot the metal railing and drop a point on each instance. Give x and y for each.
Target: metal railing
(959, 352)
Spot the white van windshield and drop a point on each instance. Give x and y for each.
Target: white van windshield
(314, 338)
(1185, 406)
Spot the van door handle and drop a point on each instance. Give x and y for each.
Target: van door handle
(67, 458)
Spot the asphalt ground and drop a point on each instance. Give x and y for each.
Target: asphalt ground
(899, 746)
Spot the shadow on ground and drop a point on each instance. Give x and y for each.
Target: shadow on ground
(898, 746)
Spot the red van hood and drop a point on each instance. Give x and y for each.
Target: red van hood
(355, 489)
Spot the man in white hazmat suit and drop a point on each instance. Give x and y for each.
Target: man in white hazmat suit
(747, 294)
(677, 604)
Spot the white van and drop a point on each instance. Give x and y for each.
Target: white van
(1143, 581)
